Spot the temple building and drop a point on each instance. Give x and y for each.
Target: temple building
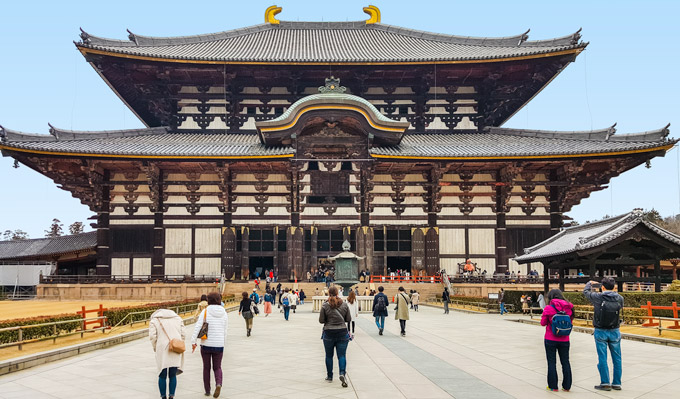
(268, 146)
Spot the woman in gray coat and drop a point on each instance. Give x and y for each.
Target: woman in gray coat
(401, 311)
(334, 316)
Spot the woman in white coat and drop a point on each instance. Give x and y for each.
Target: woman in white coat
(353, 305)
(164, 326)
(212, 347)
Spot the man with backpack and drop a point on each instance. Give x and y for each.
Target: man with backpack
(380, 304)
(287, 300)
(255, 297)
(608, 309)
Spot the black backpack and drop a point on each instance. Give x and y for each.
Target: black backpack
(380, 305)
(610, 312)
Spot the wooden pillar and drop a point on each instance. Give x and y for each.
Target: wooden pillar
(103, 232)
(546, 278)
(245, 252)
(228, 265)
(555, 206)
(591, 268)
(561, 276)
(157, 255)
(365, 237)
(314, 232)
(294, 248)
(229, 252)
(657, 276)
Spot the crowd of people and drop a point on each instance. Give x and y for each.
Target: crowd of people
(339, 315)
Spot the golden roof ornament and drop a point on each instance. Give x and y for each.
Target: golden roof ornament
(269, 14)
(374, 14)
(332, 86)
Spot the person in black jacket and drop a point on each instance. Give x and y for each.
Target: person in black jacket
(608, 307)
(245, 310)
(445, 299)
(380, 304)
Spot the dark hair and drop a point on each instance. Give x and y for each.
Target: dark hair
(401, 289)
(244, 295)
(554, 294)
(333, 299)
(381, 289)
(446, 289)
(204, 297)
(609, 283)
(214, 298)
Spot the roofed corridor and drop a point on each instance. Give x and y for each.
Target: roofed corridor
(459, 355)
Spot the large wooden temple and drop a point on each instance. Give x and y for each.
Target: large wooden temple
(268, 146)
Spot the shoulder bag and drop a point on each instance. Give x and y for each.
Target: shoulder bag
(203, 332)
(175, 345)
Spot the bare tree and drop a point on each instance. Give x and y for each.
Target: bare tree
(76, 228)
(56, 229)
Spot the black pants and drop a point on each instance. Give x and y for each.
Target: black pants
(551, 350)
(348, 326)
(402, 324)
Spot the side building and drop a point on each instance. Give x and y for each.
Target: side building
(254, 159)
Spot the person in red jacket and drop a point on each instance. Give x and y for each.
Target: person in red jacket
(557, 344)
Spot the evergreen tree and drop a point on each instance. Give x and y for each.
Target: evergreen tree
(56, 229)
(76, 228)
(15, 235)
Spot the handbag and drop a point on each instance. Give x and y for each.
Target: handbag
(175, 345)
(203, 332)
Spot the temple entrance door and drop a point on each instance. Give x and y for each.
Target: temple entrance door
(395, 263)
(260, 264)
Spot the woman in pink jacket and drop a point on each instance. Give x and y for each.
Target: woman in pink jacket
(557, 343)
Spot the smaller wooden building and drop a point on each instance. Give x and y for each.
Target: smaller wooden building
(618, 246)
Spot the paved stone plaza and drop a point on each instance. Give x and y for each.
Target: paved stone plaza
(460, 355)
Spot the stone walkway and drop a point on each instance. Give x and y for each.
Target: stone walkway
(459, 355)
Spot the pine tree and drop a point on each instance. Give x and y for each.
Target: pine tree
(76, 228)
(19, 234)
(56, 229)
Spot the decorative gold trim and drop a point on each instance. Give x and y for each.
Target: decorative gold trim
(374, 14)
(85, 50)
(269, 14)
(599, 154)
(78, 154)
(332, 107)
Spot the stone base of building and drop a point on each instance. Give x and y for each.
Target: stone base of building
(133, 292)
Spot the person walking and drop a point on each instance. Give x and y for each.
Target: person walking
(255, 297)
(380, 304)
(201, 305)
(335, 315)
(556, 341)
(445, 299)
(212, 345)
(303, 296)
(401, 309)
(164, 326)
(286, 301)
(353, 305)
(608, 307)
(501, 301)
(294, 300)
(245, 309)
(541, 300)
(415, 300)
(268, 302)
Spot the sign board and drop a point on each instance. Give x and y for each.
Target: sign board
(419, 262)
(493, 295)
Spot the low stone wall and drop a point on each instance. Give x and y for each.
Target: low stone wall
(483, 290)
(132, 291)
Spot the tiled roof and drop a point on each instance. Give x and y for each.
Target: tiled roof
(143, 142)
(494, 142)
(591, 235)
(47, 246)
(329, 42)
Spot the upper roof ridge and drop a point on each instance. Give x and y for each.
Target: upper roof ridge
(57, 134)
(605, 134)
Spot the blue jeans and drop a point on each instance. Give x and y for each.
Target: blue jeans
(380, 322)
(162, 379)
(286, 311)
(503, 310)
(608, 339)
(340, 346)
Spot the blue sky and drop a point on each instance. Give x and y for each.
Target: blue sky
(628, 74)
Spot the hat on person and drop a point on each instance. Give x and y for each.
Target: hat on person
(254, 289)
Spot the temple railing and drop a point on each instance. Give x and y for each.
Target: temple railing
(123, 279)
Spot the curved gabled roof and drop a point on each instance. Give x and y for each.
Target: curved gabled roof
(591, 235)
(41, 247)
(328, 42)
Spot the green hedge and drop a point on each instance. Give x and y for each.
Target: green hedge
(635, 300)
(630, 315)
(38, 332)
(115, 315)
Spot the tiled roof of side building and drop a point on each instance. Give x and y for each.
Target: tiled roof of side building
(343, 42)
(21, 249)
(591, 235)
(501, 142)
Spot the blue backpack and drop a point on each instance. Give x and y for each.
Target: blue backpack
(561, 323)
